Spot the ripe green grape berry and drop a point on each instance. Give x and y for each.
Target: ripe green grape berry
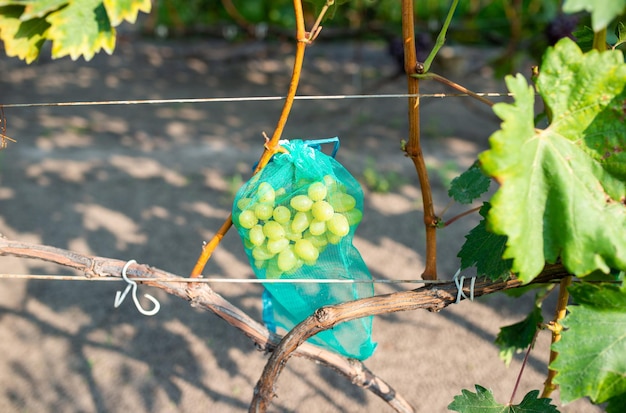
(242, 203)
(247, 219)
(281, 214)
(317, 227)
(300, 222)
(306, 250)
(322, 211)
(317, 191)
(287, 259)
(273, 230)
(354, 216)
(261, 253)
(256, 235)
(277, 245)
(263, 211)
(341, 202)
(338, 225)
(265, 193)
(301, 203)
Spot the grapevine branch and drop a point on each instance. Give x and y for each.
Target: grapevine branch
(204, 297)
(432, 298)
(413, 148)
(556, 328)
(272, 145)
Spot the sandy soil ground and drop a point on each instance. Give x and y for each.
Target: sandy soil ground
(152, 182)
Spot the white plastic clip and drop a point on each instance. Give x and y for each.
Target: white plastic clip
(120, 296)
(459, 281)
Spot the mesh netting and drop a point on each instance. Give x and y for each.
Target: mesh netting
(297, 219)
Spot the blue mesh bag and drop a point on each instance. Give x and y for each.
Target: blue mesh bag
(297, 219)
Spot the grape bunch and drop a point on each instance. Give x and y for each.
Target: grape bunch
(286, 231)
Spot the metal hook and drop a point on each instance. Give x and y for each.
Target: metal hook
(120, 296)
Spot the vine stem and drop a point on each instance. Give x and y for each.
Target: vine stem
(454, 85)
(413, 148)
(556, 328)
(521, 370)
(461, 215)
(441, 38)
(271, 146)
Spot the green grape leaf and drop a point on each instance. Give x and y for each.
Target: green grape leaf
(484, 249)
(563, 189)
(120, 10)
(620, 33)
(22, 39)
(591, 359)
(75, 27)
(584, 38)
(602, 11)
(81, 28)
(616, 404)
(483, 402)
(470, 185)
(517, 337)
(39, 8)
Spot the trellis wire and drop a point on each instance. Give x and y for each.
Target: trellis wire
(246, 99)
(50, 277)
(223, 100)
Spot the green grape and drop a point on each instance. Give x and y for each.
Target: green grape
(281, 214)
(247, 244)
(338, 225)
(287, 259)
(353, 216)
(317, 191)
(272, 271)
(300, 222)
(317, 227)
(256, 235)
(329, 180)
(322, 211)
(341, 202)
(280, 192)
(277, 245)
(290, 234)
(265, 193)
(261, 253)
(306, 250)
(263, 211)
(273, 230)
(301, 203)
(318, 241)
(247, 219)
(243, 203)
(260, 263)
(333, 238)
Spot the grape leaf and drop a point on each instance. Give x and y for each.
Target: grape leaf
(21, 38)
(517, 337)
(484, 249)
(616, 404)
(483, 402)
(468, 186)
(591, 359)
(39, 8)
(602, 11)
(558, 196)
(81, 28)
(584, 38)
(75, 27)
(120, 10)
